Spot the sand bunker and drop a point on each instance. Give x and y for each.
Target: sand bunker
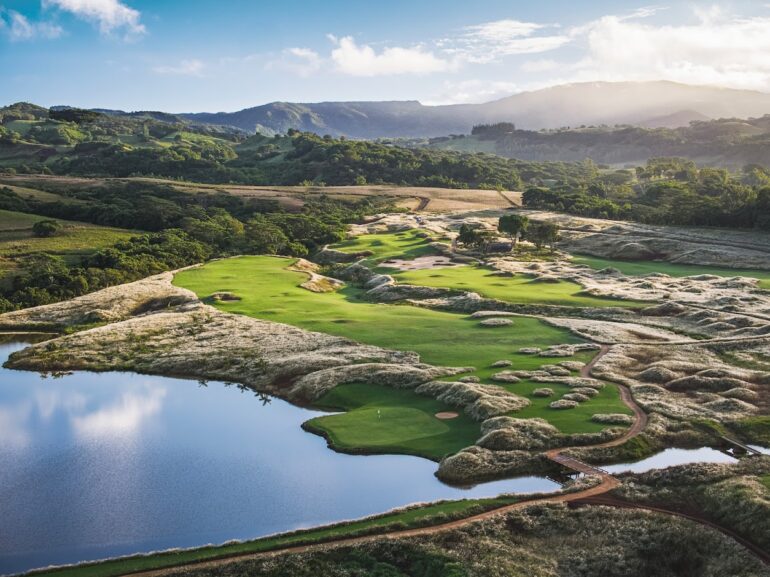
(421, 263)
(446, 415)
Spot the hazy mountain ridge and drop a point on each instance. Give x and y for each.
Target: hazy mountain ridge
(639, 103)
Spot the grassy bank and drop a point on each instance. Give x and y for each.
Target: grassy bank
(638, 268)
(419, 516)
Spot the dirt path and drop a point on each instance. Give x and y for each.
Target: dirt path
(424, 202)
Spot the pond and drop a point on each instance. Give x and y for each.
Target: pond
(671, 458)
(94, 465)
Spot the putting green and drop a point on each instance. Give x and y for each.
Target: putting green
(638, 268)
(519, 289)
(383, 420)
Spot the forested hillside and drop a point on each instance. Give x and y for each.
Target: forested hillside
(87, 143)
(729, 143)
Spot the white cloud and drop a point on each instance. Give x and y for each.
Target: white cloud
(191, 67)
(362, 60)
(300, 61)
(18, 27)
(472, 91)
(109, 15)
(491, 41)
(716, 48)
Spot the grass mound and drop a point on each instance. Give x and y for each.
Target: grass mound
(638, 268)
(405, 245)
(518, 289)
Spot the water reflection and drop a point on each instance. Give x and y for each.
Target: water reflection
(95, 465)
(124, 417)
(671, 458)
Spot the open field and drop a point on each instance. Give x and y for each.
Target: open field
(637, 268)
(426, 198)
(292, 197)
(74, 240)
(380, 419)
(519, 289)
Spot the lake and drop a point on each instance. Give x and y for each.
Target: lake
(94, 465)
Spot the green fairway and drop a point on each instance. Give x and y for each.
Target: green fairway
(569, 421)
(384, 420)
(405, 244)
(269, 291)
(518, 289)
(637, 268)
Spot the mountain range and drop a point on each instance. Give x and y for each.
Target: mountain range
(649, 104)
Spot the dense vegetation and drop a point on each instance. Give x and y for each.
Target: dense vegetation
(181, 228)
(541, 541)
(727, 142)
(666, 191)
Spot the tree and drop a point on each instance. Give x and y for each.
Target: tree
(514, 225)
(467, 235)
(264, 237)
(46, 228)
(543, 233)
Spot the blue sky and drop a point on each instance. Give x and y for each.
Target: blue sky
(197, 55)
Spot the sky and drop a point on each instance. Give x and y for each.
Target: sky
(225, 55)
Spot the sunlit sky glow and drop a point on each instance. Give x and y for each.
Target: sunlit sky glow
(210, 56)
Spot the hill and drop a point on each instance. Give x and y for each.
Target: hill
(660, 103)
(728, 142)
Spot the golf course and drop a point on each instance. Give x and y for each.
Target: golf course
(383, 420)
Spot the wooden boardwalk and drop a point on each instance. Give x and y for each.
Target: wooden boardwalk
(577, 465)
(748, 450)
